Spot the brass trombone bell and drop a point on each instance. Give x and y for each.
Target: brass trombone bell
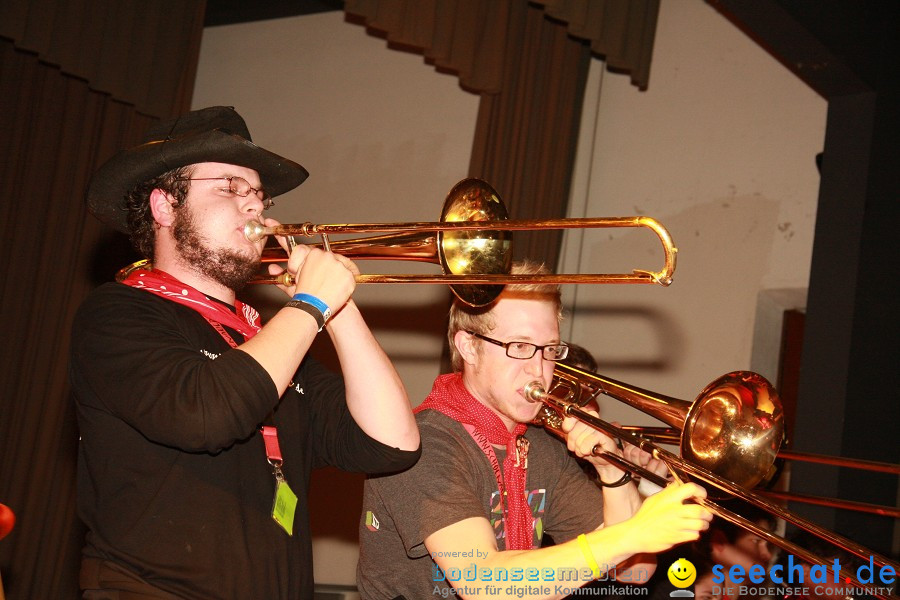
(459, 243)
(733, 428)
(472, 243)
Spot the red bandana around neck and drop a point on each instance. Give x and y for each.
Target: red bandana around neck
(245, 321)
(450, 397)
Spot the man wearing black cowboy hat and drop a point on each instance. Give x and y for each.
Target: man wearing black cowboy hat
(199, 427)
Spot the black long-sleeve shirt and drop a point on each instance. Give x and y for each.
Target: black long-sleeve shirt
(173, 480)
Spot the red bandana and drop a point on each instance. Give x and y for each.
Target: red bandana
(450, 397)
(245, 321)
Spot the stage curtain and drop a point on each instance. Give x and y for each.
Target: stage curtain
(469, 37)
(620, 31)
(81, 81)
(140, 53)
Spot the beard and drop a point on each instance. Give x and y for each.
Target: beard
(228, 267)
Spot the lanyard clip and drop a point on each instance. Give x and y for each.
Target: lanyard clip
(273, 450)
(522, 445)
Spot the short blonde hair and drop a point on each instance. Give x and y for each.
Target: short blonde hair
(480, 319)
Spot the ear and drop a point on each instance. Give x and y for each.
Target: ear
(465, 345)
(161, 207)
(717, 541)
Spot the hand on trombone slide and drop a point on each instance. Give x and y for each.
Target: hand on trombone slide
(328, 276)
(674, 515)
(595, 446)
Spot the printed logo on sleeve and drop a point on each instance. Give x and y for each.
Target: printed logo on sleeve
(372, 523)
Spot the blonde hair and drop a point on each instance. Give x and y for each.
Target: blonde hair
(480, 319)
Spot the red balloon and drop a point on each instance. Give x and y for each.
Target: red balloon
(7, 520)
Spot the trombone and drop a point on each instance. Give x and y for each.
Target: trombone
(730, 437)
(472, 243)
(672, 436)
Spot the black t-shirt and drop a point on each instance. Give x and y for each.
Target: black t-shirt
(173, 479)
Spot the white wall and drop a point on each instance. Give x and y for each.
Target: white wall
(720, 149)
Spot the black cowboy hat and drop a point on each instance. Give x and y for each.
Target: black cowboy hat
(215, 134)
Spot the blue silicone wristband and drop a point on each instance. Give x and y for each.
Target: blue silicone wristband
(313, 301)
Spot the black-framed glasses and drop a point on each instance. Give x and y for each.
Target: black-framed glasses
(239, 187)
(525, 350)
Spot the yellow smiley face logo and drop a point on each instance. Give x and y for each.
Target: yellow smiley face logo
(682, 573)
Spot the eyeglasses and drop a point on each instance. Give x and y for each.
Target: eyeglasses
(239, 187)
(525, 350)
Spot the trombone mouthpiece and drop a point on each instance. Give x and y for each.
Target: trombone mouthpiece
(534, 391)
(255, 231)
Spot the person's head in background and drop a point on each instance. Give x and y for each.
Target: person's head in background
(580, 358)
(704, 587)
(731, 546)
(828, 553)
(727, 544)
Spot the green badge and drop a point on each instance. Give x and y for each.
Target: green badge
(284, 506)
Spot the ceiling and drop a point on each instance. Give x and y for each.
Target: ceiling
(835, 46)
(229, 12)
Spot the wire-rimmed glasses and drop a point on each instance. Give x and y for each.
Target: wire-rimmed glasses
(239, 187)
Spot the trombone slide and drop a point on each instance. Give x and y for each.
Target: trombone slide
(568, 406)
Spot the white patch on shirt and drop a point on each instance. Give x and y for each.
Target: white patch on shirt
(296, 387)
(209, 355)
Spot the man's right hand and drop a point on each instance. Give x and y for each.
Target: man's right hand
(329, 277)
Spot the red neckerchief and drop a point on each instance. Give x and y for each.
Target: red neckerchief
(245, 321)
(450, 397)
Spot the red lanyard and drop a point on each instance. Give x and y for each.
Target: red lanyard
(269, 432)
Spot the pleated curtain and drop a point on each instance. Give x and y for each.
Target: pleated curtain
(79, 81)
